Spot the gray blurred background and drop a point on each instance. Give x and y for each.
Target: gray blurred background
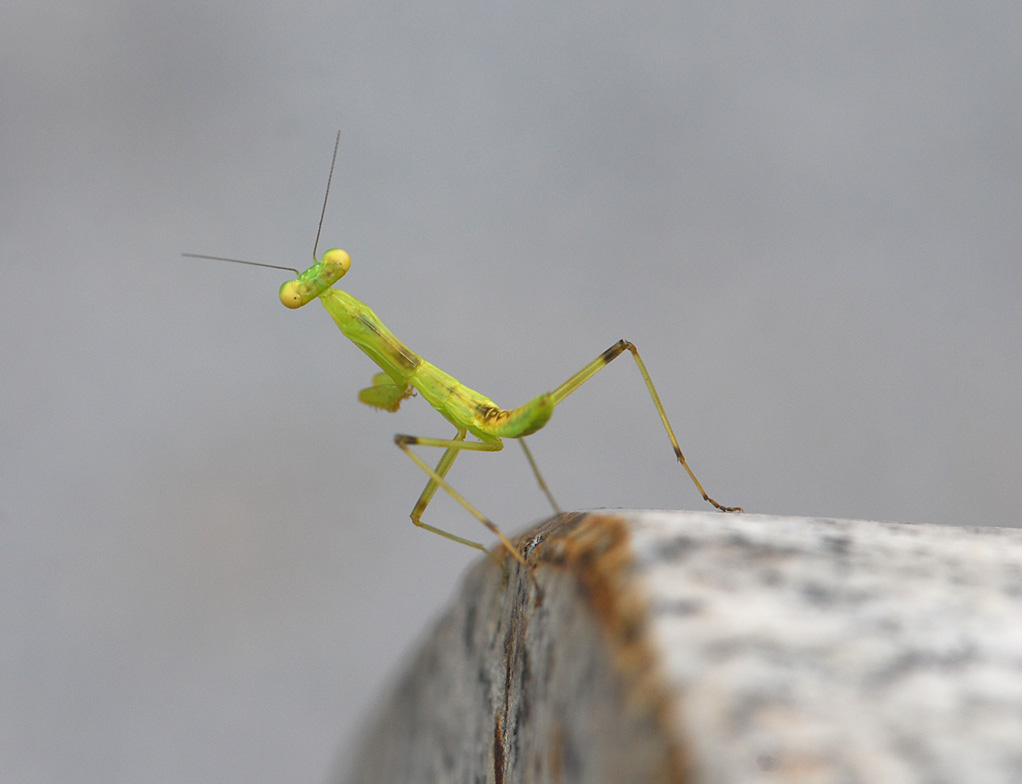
(805, 216)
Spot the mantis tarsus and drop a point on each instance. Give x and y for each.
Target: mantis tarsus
(470, 412)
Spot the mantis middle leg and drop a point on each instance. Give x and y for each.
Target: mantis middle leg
(436, 479)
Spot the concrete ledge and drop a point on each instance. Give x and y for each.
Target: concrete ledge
(701, 647)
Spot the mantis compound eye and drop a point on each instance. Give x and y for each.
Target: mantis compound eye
(290, 295)
(336, 263)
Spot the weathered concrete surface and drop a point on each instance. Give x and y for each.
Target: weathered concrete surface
(701, 647)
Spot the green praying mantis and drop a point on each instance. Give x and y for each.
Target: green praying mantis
(404, 372)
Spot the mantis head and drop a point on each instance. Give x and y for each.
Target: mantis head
(316, 279)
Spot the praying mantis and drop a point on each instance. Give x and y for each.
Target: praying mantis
(404, 372)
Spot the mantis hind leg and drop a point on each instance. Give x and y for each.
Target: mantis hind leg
(599, 364)
(539, 477)
(436, 480)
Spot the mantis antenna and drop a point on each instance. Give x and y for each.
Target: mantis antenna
(326, 195)
(319, 229)
(239, 261)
